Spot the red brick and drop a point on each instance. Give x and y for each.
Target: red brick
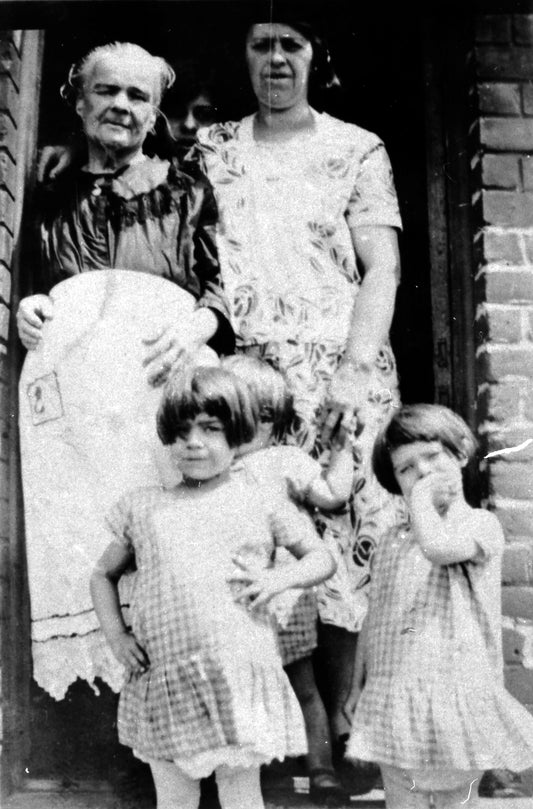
(519, 681)
(528, 246)
(523, 29)
(517, 565)
(517, 523)
(517, 602)
(5, 284)
(513, 438)
(528, 399)
(508, 208)
(496, 365)
(513, 480)
(513, 645)
(502, 247)
(504, 325)
(495, 64)
(507, 134)
(501, 171)
(527, 172)
(493, 28)
(500, 402)
(503, 99)
(508, 286)
(527, 98)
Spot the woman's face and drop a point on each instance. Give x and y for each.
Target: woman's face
(279, 62)
(117, 104)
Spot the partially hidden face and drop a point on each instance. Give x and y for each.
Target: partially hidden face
(201, 450)
(186, 121)
(117, 105)
(411, 462)
(279, 62)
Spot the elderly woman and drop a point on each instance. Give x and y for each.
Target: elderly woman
(309, 255)
(125, 210)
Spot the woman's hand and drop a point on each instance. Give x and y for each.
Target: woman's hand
(128, 652)
(351, 703)
(261, 584)
(53, 162)
(177, 345)
(347, 394)
(31, 314)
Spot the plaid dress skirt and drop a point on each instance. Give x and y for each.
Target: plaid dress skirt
(215, 692)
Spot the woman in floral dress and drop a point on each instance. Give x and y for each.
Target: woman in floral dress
(307, 240)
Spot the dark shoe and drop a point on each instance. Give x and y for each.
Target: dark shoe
(358, 777)
(502, 784)
(325, 789)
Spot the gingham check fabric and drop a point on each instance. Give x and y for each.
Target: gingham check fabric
(434, 695)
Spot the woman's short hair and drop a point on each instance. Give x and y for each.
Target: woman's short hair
(81, 70)
(269, 391)
(211, 390)
(420, 422)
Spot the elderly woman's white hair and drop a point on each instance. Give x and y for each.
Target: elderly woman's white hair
(164, 75)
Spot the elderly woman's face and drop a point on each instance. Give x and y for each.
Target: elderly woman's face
(279, 61)
(117, 103)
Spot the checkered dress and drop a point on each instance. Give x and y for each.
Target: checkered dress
(215, 692)
(289, 471)
(434, 696)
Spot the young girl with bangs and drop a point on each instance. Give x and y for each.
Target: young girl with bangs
(428, 693)
(205, 690)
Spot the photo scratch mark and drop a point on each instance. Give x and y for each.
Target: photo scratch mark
(510, 450)
(469, 791)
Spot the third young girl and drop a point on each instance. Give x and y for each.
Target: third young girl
(434, 712)
(206, 691)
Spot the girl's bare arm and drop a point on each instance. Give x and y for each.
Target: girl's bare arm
(104, 593)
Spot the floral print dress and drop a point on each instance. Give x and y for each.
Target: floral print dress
(290, 273)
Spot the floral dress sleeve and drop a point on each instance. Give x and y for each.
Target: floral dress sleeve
(373, 200)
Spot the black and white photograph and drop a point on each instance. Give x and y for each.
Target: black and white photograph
(266, 404)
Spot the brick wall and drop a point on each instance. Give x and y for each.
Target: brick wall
(504, 165)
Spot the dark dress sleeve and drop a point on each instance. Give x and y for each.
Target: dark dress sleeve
(198, 251)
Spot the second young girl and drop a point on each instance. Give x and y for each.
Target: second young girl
(433, 711)
(206, 691)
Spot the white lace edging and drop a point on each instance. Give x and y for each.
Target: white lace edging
(59, 662)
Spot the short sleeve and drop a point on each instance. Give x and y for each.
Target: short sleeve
(373, 200)
(119, 521)
(289, 525)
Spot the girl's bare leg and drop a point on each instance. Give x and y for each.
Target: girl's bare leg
(239, 788)
(173, 787)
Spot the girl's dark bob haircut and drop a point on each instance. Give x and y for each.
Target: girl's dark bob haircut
(322, 77)
(269, 391)
(210, 390)
(420, 422)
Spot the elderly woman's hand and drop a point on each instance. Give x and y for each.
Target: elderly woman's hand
(31, 314)
(177, 345)
(347, 395)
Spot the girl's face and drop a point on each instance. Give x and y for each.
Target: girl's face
(411, 462)
(201, 450)
(117, 104)
(279, 62)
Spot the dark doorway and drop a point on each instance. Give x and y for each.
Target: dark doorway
(379, 58)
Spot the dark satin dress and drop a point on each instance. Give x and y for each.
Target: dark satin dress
(147, 217)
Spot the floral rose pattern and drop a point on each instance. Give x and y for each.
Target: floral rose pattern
(288, 266)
